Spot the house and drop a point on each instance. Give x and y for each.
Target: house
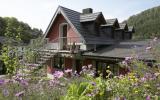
(75, 39)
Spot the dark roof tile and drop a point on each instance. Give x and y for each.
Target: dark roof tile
(89, 17)
(124, 49)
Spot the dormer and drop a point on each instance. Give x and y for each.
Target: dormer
(123, 26)
(92, 21)
(128, 34)
(108, 28)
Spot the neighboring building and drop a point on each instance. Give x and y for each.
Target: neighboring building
(77, 39)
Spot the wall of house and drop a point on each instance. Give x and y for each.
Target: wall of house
(68, 63)
(75, 37)
(118, 35)
(90, 27)
(107, 32)
(127, 35)
(87, 62)
(54, 30)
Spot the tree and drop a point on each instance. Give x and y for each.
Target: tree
(11, 27)
(146, 23)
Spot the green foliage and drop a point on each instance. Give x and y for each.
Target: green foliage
(94, 89)
(11, 27)
(9, 54)
(10, 59)
(147, 23)
(31, 51)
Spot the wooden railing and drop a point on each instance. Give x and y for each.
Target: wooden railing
(64, 43)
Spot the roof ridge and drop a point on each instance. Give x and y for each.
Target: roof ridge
(111, 19)
(91, 13)
(68, 8)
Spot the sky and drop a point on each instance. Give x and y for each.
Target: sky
(38, 13)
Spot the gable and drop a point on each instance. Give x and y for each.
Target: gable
(71, 17)
(54, 32)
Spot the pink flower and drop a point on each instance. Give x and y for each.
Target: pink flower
(128, 58)
(68, 71)
(124, 62)
(58, 74)
(19, 93)
(148, 98)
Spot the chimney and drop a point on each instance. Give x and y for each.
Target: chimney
(87, 11)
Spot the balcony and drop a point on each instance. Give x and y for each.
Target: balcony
(64, 44)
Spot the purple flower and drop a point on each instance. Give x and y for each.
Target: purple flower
(5, 92)
(124, 62)
(2, 81)
(58, 74)
(19, 94)
(148, 98)
(24, 82)
(143, 79)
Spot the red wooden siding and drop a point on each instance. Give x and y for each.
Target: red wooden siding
(54, 30)
(75, 36)
(68, 63)
(87, 62)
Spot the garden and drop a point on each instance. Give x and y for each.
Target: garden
(29, 81)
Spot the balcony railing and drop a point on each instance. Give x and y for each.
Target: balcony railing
(64, 43)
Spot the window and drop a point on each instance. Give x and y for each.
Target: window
(58, 62)
(63, 36)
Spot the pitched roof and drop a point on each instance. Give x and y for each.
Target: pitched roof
(123, 26)
(89, 17)
(111, 21)
(123, 49)
(73, 18)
